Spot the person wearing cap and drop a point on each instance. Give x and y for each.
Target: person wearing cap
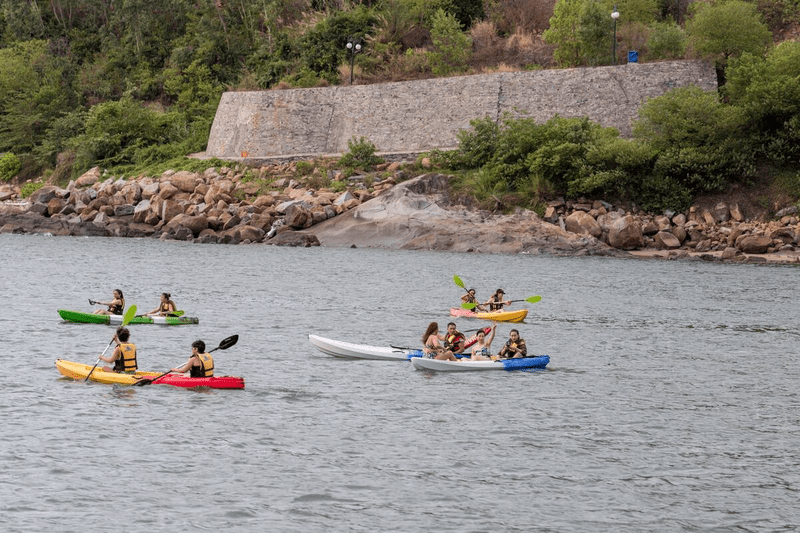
(469, 298)
(496, 301)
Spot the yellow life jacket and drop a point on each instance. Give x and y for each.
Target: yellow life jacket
(205, 371)
(127, 359)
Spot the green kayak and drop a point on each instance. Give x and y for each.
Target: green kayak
(89, 318)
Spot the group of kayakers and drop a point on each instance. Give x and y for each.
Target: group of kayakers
(117, 305)
(452, 344)
(494, 303)
(199, 365)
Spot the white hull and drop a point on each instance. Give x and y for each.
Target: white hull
(465, 365)
(357, 351)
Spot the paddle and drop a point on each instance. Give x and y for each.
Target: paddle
(224, 345)
(129, 314)
(532, 299)
(170, 314)
(460, 283)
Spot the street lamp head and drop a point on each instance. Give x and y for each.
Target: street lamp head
(349, 45)
(615, 13)
(358, 48)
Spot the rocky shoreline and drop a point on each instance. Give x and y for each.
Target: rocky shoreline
(277, 205)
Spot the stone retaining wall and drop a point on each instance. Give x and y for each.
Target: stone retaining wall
(418, 116)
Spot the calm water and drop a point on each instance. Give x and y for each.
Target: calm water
(670, 403)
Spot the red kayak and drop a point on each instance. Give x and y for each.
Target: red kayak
(216, 382)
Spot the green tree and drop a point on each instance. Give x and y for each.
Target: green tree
(451, 47)
(697, 139)
(594, 34)
(34, 91)
(768, 90)
(667, 41)
(564, 32)
(728, 29)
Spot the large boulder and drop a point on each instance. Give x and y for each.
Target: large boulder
(626, 234)
(88, 178)
(583, 223)
(185, 181)
(753, 244)
(419, 214)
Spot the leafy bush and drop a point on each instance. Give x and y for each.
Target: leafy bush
(360, 154)
(9, 166)
(667, 41)
(30, 188)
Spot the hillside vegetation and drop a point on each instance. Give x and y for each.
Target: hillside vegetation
(132, 86)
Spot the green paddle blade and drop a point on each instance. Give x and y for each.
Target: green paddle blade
(533, 299)
(458, 282)
(128, 316)
(469, 305)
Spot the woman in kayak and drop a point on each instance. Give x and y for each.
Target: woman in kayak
(481, 350)
(431, 346)
(514, 347)
(496, 302)
(115, 306)
(124, 355)
(165, 308)
(469, 298)
(200, 364)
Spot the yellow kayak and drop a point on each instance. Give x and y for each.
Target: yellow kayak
(500, 316)
(79, 371)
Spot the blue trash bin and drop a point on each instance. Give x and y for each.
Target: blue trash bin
(633, 56)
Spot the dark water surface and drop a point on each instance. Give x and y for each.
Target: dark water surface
(670, 403)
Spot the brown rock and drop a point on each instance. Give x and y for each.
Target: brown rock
(185, 181)
(754, 244)
(667, 240)
(736, 213)
(583, 224)
(169, 210)
(88, 178)
(298, 217)
(625, 234)
(195, 224)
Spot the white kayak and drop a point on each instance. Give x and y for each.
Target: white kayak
(362, 351)
(465, 365)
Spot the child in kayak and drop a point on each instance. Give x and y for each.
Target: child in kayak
(115, 306)
(481, 350)
(496, 302)
(431, 346)
(514, 347)
(165, 308)
(200, 364)
(123, 356)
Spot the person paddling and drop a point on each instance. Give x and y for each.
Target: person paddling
(115, 306)
(165, 308)
(481, 350)
(496, 301)
(200, 364)
(469, 298)
(123, 356)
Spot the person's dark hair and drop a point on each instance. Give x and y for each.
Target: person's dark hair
(433, 326)
(120, 293)
(471, 291)
(499, 291)
(513, 331)
(200, 345)
(166, 295)
(123, 334)
(451, 324)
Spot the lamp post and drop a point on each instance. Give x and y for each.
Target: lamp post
(615, 16)
(354, 47)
